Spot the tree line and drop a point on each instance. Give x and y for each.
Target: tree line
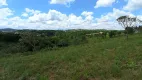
(33, 40)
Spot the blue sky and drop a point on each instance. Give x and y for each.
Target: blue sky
(77, 7)
(66, 14)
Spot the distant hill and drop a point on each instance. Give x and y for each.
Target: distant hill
(7, 30)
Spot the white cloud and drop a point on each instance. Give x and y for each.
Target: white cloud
(64, 2)
(28, 12)
(31, 11)
(133, 5)
(25, 15)
(52, 15)
(54, 20)
(88, 15)
(140, 17)
(57, 20)
(5, 12)
(112, 16)
(109, 20)
(104, 3)
(3, 3)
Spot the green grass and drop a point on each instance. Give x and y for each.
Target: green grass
(108, 59)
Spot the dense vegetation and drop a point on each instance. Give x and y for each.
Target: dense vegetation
(99, 59)
(34, 40)
(24, 41)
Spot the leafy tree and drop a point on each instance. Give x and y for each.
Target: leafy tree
(126, 21)
(139, 28)
(30, 40)
(129, 30)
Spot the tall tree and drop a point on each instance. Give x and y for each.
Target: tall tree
(126, 21)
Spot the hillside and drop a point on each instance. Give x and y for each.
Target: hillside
(108, 59)
(7, 30)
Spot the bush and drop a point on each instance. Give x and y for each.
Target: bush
(11, 48)
(79, 40)
(30, 40)
(104, 34)
(119, 33)
(9, 37)
(112, 34)
(63, 43)
(129, 30)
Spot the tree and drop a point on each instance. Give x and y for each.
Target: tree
(140, 21)
(140, 25)
(130, 30)
(30, 40)
(126, 21)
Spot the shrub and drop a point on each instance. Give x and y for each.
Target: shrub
(118, 33)
(129, 30)
(112, 34)
(63, 43)
(30, 40)
(9, 37)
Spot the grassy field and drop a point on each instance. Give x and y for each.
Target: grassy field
(108, 59)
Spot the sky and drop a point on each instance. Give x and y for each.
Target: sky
(66, 14)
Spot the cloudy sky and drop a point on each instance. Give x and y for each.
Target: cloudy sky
(66, 14)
